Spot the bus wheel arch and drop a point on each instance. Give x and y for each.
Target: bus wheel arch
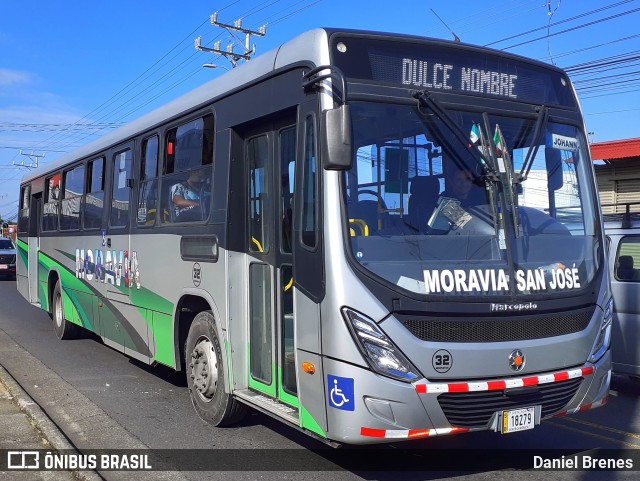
(52, 281)
(187, 309)
(205, 369)
(63, 328)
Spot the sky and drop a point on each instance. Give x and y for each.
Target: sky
(71, 71)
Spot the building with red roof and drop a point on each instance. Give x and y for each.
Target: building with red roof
(618, 175)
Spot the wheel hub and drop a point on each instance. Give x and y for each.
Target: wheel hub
(204, 369)
(58, 310)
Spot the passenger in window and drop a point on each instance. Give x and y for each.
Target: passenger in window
(185, 198)
(462, 188)
(54, 189)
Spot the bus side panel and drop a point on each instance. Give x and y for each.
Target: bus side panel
(311, 388)
(162, 337)
(43, 282)
(22, 266)
(237, 330)
(153, 298)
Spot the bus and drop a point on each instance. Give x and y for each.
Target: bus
(390, 237)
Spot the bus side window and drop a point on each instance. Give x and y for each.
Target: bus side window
(258, 155)
(309, 187)
(94, 201)
(628, 259)
(120, 191)
(148, 190)
(287, 176)
(188, 155)
(25, 201)
(73, 182)
(51, 204)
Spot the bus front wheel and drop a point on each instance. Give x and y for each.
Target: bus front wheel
(205, 374)
(63, 328)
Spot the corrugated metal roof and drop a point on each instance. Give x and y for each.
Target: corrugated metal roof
(616, 149)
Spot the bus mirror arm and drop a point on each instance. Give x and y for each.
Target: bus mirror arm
(336, 138)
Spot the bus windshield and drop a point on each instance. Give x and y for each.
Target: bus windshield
(425, 213)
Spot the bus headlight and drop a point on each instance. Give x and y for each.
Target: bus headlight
(378, 350)
(604, 336)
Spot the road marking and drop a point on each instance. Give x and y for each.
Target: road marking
(600, 436)
(604, 428)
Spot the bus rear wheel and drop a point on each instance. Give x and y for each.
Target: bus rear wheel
(205, 374)
(63, 328)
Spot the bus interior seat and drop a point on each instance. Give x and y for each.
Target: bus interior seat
(625, 270)
(424, 192)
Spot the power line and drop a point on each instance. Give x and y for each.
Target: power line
(585, 14)
(142, 103)
(140, 78)
(132, 90)
(611, 112)
(609, 94)
(623, 39)
(588, 24)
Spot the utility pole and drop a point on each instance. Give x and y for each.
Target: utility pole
(230, 53)
(33, 157)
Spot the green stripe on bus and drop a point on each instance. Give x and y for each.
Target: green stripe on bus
(308, 422)
(24, 252)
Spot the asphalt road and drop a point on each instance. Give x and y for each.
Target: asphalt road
(101, 398)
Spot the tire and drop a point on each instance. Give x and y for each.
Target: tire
(63, 328)
(204, 365)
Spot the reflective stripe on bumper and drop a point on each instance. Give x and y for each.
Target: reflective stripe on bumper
(408, 433)
(498, 385)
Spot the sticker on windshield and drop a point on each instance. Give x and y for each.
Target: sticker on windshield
(562, 142)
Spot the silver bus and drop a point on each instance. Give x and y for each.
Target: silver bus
(368, 236)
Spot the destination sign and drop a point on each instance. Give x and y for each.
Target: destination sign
(454, 69)
(420, 73)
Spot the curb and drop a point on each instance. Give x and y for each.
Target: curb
(42, 422)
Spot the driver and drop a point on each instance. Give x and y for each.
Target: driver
(462, 188)
(185, 197)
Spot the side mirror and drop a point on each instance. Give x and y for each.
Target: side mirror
(336, 138)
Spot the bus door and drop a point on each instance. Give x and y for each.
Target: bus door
(117, 235)
(35, 209)
(270, 159)
(120, 321)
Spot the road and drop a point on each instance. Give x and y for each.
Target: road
(101, 398)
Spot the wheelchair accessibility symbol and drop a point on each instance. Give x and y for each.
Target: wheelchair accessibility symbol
(340, 392)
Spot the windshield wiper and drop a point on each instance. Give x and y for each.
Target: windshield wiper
(425, 97)
(540, 128)
(502, 159)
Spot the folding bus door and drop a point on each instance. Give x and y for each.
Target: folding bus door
(270, 159)
(35, 210)
(121, 322)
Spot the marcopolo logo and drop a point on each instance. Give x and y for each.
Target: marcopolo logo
(529, 306)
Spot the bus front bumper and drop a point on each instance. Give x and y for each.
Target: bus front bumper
(366, 408)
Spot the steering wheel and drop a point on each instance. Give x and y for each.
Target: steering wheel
(381, 203)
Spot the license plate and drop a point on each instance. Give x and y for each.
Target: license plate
(518, 420)
(4, 266)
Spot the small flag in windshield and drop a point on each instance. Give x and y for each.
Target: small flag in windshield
(474, 136)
